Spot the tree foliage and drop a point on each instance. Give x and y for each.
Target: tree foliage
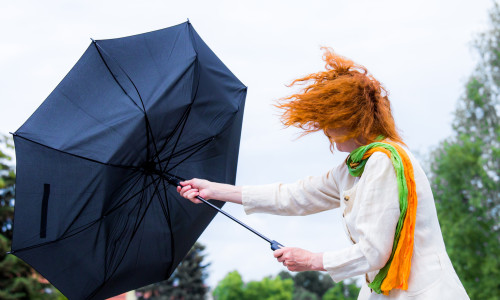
(342, 291)
(303, 286)
(269, 289)
(314, 282)
(465, 174)
(186, 283)
(7, 181)
(232, 287)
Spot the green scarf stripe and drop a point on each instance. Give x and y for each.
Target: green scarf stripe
(356, 156)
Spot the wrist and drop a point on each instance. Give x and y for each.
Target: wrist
(225, 192)
(317, 262)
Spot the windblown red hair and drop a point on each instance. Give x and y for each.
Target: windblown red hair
(345, 96)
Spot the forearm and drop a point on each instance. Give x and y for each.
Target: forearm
(226, 192)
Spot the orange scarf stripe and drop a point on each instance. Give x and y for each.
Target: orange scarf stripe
(399, 271)
(395, 274)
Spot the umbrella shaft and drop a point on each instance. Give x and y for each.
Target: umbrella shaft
(234, 219)
(176, 182)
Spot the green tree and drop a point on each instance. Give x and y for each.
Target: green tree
(7, 181)
(269, 289)
(285, 275)
(315, 282)
(314, 285)
(465, 174)
(300, 293)
(17, 279)
(342, 291)
(233, 287)
(187, 281)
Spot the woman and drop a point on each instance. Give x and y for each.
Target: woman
(386, 200)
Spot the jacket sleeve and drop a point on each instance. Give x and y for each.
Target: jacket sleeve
(307, 196)
(377, 205)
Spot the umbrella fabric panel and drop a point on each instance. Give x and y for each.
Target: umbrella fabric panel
(151, 60)
(74, 192)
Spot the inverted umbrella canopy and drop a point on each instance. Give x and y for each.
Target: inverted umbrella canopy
(94, 212)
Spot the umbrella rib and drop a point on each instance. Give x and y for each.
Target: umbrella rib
(111, 210)
(149, 130)
(124, 72)
(138, 203)
(169, 222)
(185, 121)
(134, 168)
(124, 228)
(128, 245)
(131, 186)
(186, 112)
(106, 277)
(113, 75)
(177, 125)
(191, 154)
(189, 148)
(57, 240)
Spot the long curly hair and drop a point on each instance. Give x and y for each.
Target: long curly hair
(346, 97)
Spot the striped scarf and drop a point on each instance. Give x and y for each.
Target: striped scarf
(395, 274)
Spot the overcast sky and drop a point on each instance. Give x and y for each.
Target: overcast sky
(420, 50)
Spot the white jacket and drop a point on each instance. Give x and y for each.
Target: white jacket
(370, 208)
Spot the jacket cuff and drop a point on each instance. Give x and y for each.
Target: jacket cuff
(346, 263)
(257, 199)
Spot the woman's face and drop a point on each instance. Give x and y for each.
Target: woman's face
(337, 134)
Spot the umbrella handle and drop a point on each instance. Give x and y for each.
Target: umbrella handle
(275, 245)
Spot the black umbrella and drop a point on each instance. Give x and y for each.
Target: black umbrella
(94, 212)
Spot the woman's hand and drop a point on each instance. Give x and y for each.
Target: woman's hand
(195, 187)
(189, 189)
(296, 259)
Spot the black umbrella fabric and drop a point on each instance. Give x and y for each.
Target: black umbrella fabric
(94, 211)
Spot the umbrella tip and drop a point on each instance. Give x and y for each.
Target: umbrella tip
(12, 133)
(93, 41)
(188, 21)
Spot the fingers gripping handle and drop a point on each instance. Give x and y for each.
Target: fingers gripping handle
(275, 245)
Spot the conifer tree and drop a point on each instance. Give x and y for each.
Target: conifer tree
(186, 283)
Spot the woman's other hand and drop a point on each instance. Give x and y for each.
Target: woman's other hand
(297, 259)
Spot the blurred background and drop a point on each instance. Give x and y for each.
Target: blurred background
(439, 61)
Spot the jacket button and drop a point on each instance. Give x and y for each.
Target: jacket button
(346, 198)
